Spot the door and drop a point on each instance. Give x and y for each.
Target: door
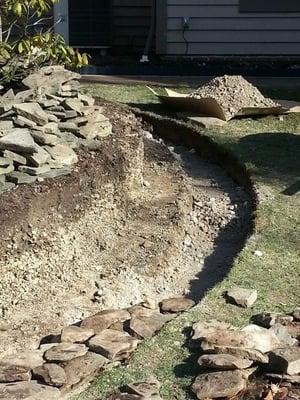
(61, 19)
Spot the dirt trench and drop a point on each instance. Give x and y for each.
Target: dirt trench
(138, 219)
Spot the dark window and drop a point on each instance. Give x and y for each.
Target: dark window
(270, 6)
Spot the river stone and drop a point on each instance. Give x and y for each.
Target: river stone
(283, 335)
(50, 374)
(65, 352)
(28, 391)
(176, 305)
(83, 369)
(63, 154)
(18, 140)
(40, 157)
(223, 362)
(27, 359)
(296, 312)
(112, 344)
(286, 360)
(20, 178)
(242, 297)
(219, 384)
(35, 171)
(32, 111)
(75, 334)
(267, 320)
(17, 158)
(104, 319)
(147, 388)
(13, 373)
(23, 122)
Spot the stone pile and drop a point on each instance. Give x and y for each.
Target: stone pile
(72, 358)
(40, 127)
(230, 356)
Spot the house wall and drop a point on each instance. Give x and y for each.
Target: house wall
(131, 22)
(216, 27)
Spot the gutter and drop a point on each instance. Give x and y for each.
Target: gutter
(145, 56)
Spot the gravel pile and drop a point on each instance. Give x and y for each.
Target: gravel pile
(233, 93)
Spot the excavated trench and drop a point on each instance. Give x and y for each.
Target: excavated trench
(138, 219)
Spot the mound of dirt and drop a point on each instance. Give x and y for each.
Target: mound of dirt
(233, 93)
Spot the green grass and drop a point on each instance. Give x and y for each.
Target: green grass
(270, 148)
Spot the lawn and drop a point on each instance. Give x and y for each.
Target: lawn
(270, 148)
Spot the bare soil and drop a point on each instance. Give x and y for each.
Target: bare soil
(136, 220)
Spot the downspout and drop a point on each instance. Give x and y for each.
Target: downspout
(145, 55)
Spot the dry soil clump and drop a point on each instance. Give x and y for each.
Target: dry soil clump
(233, 93)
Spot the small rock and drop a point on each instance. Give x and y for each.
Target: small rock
(73, 105)
(176, 305)
(23, 122)
(86, 100)
(242, 297)
(17, 158)
(75, 334)
(55, 173)
(32, 111)
(112, 344)
(50, 374)
(18, 140)
(65, 352)
(20, 178)
(219, 384)
(28, 391)
(34, 170)
(146, 389)
(105, 319)
(68, 127)
(223, 362)
(296, 314)
(286, 360)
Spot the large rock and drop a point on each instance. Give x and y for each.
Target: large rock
(219, 384)
(176, 305)
(286, 360)
(62, 154)
(28, 391)
(223, 362)
(65, 352)
(75, 334)
(50, 374)
(242, 297)
(18, 140)
(105, 319)
(112, 344)
(13, 373)
(83, 369)
(33, 112)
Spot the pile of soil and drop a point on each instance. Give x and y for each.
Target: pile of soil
(233, 93)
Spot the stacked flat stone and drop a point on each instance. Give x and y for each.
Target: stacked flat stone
(40, 127)
(82, 351)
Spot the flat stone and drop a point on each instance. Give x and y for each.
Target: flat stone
(45, 139)
(249, 354)
(259, 338)
(9, 95)
(65, 352)
(50, 374)
(55, 173)
(47, 346)
(48, 103)
(147, 326)
(23, 122)
(75, 334)
(147, 388)
(6, 170)
(219, 384)
(176, 305)
(70, 114)
(20, 178)
(295, 379)
(35, 171)
(18, 140)
(242, 297)
(16, 158)
(296, 312)
(86, 100)
(223, 362)
(80, 121)
(68, 127)
(40, 157)
(28, 391)
(63, 154)
(207, 122)
(70, 139)
(58, 114)
(6, 186)
(6, 125)
(114, 345)
(5, 162)
(73, 105)
(25, 95)
(203, 328)
(283, 335)
(126, 396)
(83, 369)
(13, 373)
(27, 359)
(105, 319)
(286, 360)
(267, 320)
(32, 111)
